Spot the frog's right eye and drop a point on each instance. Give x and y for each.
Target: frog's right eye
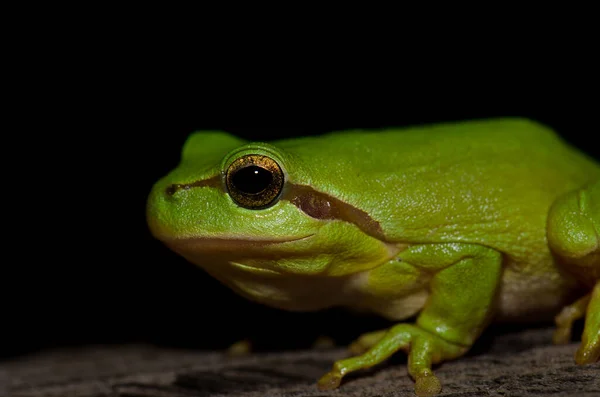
(254, 181)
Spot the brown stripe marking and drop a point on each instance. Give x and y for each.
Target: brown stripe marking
(323, 206)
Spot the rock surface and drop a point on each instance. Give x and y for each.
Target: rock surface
(520, 363)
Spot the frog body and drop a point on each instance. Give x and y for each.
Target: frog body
(461, 223)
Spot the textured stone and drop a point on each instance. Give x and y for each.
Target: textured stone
(520, 363)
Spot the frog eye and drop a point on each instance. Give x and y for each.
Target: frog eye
(254, 181)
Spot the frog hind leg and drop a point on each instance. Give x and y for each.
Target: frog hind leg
(573, 232)
(574, 237)
(460, 305)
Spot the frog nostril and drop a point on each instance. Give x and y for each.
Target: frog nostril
(172, 189)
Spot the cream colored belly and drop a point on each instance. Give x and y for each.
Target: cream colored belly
(536, 296)
(528, 293)
(532, 294)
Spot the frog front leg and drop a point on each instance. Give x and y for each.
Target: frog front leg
(461, 303)
(574, 237)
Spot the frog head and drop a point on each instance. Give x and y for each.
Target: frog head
(250, 215)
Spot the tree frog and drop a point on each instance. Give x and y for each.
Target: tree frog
(458, 224)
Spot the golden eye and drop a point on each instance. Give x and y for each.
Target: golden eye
(254, 181)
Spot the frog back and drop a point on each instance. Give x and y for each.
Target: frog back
(489, 182)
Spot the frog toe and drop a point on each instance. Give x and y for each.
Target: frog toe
(589, 351)
(427, 384)
(331, 380)
(565, 319)
(588, 354)
(240, 348)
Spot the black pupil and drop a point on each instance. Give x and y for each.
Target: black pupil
(252, 179)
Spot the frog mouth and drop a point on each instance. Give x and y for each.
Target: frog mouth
(223, 245)
(255, 269)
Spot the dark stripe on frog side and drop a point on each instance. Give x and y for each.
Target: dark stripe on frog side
(315, 204)
(320, 205)
(215, 181)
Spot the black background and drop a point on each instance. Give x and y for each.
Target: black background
(83, 266)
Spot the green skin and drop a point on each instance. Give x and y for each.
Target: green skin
(457, 223)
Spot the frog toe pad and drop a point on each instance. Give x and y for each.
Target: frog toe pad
(427, 384)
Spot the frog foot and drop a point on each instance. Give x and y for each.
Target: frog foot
(424, 349)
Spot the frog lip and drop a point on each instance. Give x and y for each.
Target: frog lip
(226, 244)
(255, 269)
